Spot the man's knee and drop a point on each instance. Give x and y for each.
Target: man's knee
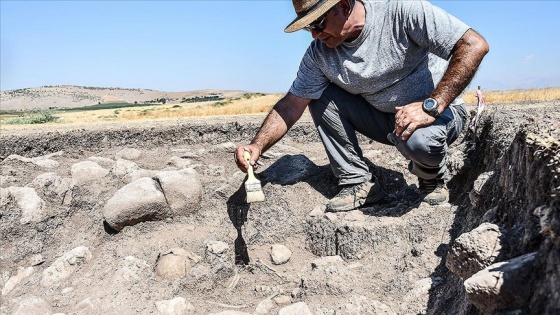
(425, 146)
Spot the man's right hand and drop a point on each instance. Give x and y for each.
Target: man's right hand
(255, 152)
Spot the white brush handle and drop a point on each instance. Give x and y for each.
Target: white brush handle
(247, 157)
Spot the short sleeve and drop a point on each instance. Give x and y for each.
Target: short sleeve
(310, 81)
(430, 26)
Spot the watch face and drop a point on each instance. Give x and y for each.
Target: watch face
(429, 104)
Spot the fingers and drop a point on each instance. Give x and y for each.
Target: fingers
(239, 158)
(409, 118)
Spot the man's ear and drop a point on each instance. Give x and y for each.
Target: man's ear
(346, 7)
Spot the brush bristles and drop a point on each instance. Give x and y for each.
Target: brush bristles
(254, 196)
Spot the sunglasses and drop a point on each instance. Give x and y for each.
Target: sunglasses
(317, 25)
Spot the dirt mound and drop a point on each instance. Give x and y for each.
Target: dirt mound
(61, 254)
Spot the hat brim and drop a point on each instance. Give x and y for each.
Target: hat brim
(300, 22)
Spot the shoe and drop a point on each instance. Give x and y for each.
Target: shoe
(351, 197)
(433, 190)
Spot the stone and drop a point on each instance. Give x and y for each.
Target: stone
(87, 306)
(317, 211)
(122, 167)
(53, 187)
(136, 175)
(504, 285)
(299, 308)
(87, 171)
(182, 189)
(32, 305)
(15, 280)
(280, 254)
(128, 154)
(65, 265)
(176, 306)
(46, 163)
(217, 247)
(230, 313)
(264, 307)
(475, 250)
(478, 187)
(283, 300)
(139, 201)
(174, 263)
(103, 162)
(355, 215)
(31, 206)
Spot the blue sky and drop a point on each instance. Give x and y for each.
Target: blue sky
(191, 45)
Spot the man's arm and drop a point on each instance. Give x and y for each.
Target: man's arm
(281, 118)
(467, 56)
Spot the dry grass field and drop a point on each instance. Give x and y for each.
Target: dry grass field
(512, 96)
(254, 104)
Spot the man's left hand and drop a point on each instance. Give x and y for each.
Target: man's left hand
(409, 118)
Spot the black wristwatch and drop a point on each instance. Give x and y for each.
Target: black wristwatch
(431, 106)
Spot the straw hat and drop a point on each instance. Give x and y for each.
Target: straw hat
(308, 11)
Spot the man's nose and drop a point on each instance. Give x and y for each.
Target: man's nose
(315, 33)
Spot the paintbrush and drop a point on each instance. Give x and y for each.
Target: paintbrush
(252, 185)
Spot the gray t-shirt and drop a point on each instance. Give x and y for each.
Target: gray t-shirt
(399, 57)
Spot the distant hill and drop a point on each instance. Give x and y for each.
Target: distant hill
(68, 96)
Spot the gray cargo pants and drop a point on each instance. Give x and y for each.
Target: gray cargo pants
(338, 114)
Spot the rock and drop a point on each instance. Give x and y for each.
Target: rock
(123, 167)
(182, 189)
(355, 215)
(283, 299)
(131, 269)
(478, 187)
(87, 171)
(299, 308)
(15, 280)
(217, 247)
(504, 285)
(46, 163)
(317, 211)
(31, 206)
(264, 307)
(136, 202)
(550, 226)
(36, 260)
(64, 266)
(230, 313)
(175, 263)
(475, 250)
(176, 306)
(32, 305)
(280, 254)
(6, 179)
(54, 188)
(178, 163)
(128, 154)
(104, 162)
(331, 216)
(87, 306)
(328, 275)
(136, 175)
